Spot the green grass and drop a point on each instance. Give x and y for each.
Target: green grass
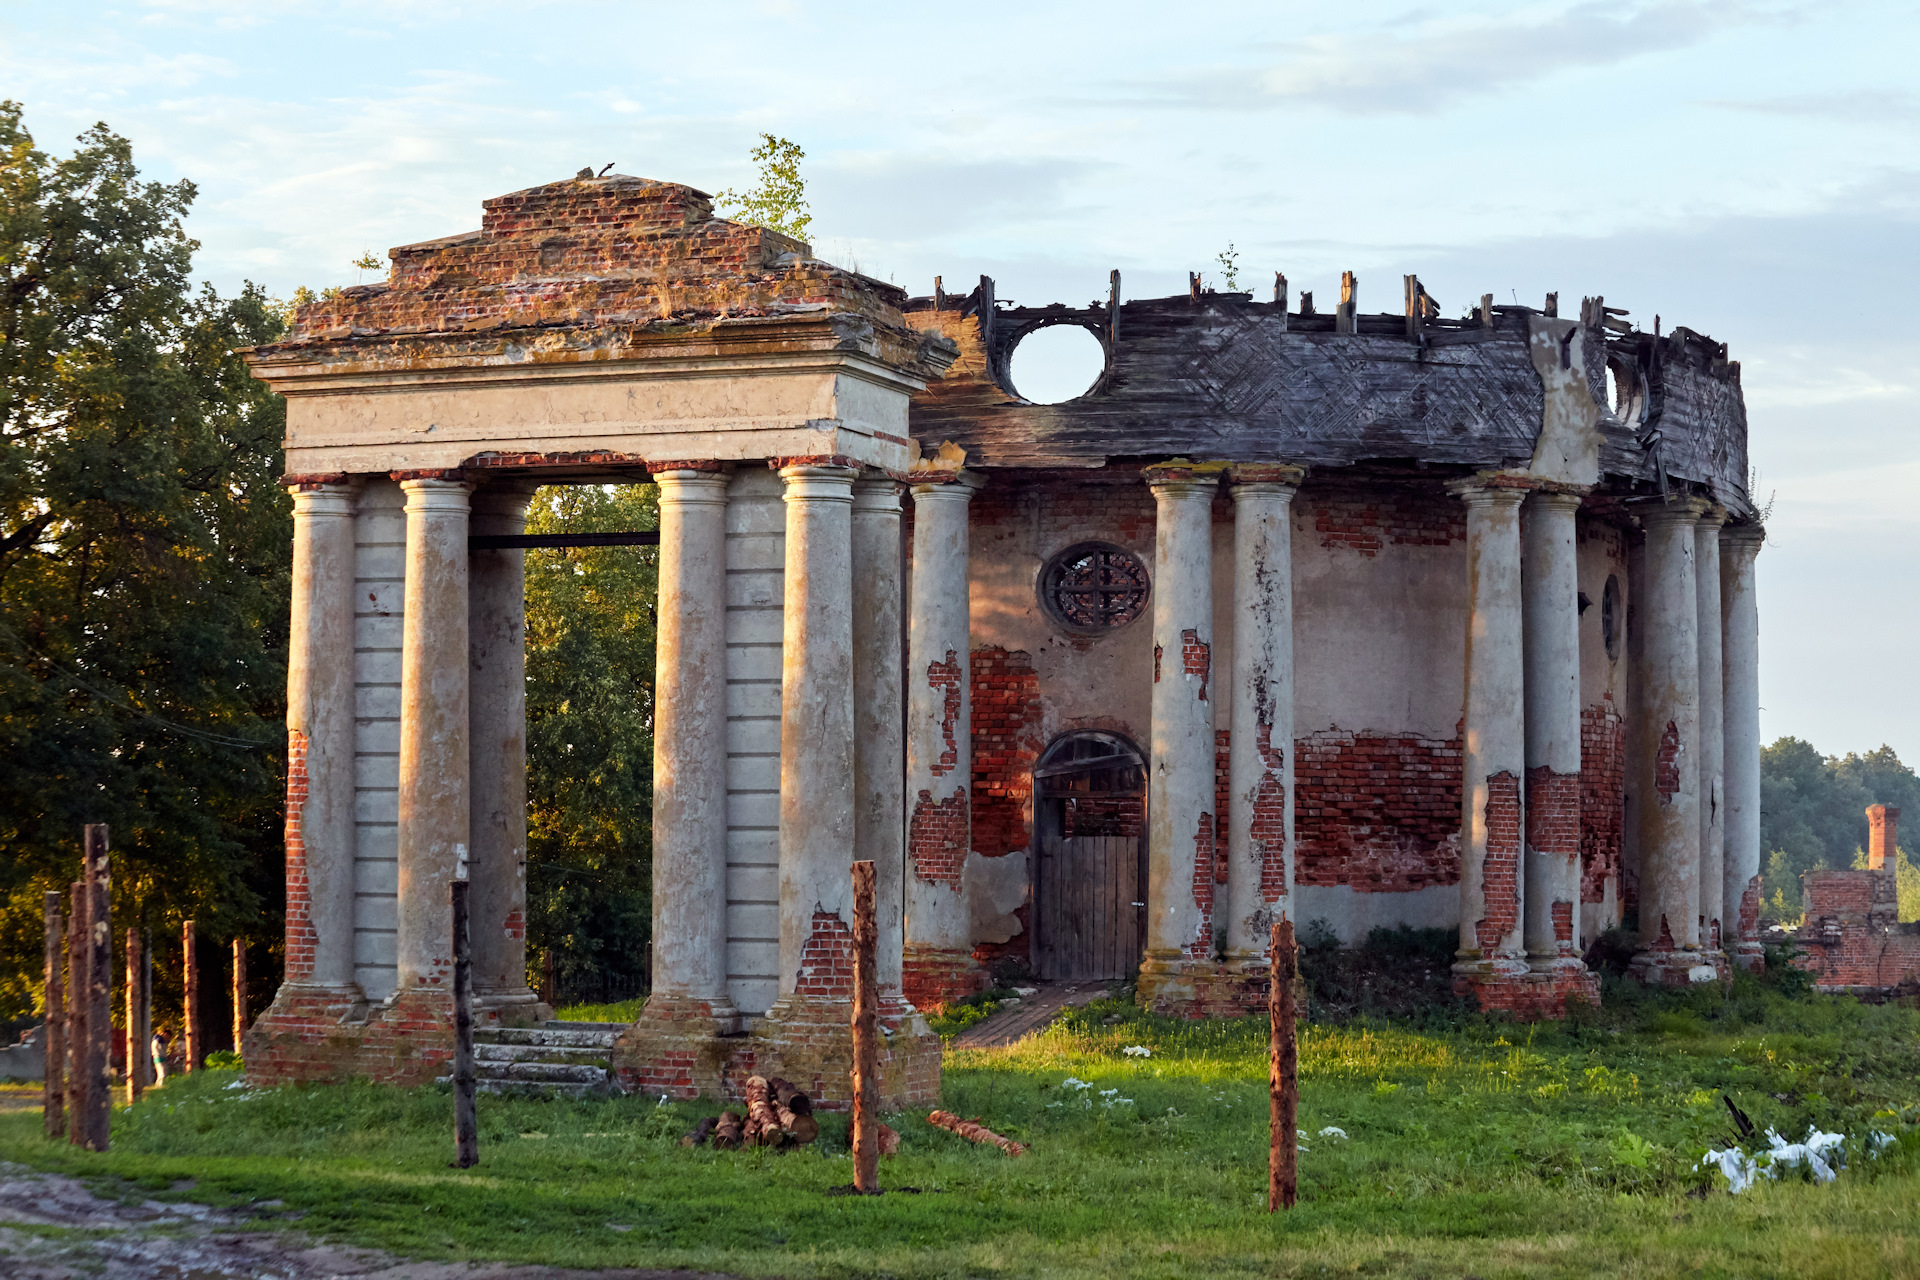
(622, 1011)
(1474, 1146)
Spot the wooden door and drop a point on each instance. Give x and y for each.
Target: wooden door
(1087, 893)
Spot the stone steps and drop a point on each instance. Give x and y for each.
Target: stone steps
(560, 1059)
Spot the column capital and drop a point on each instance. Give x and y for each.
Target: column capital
(1557, 500)
(818, 481)
(688, 464)
(1492, 489)
(877, 491)
(324, 499)
(1672, 510)
(1179, 478)
(1712, 518)
(685, 485)
(1264, 477)
(1743, 539)
(434, 493)
(934, 482)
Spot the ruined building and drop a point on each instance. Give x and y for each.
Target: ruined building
(1367, 618)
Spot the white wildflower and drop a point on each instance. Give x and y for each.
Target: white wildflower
(1333, 1131)
(1071, 1083)
(1137, 1051)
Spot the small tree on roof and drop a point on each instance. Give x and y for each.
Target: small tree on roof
(779, 202)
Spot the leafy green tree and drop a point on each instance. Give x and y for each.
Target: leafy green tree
(144, 549)
(779, 202)
(590, 638)
(1813, 812)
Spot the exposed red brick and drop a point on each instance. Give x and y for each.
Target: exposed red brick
(1006, 742)
(1375, 812)
(945, 676)
(1666, 764)
(1365, 520)
(1563, 923)
(302, 938)
(1603, 791)
(1532, 996)
(932, 979)
(1553, 811)
(1196, 658)
(1500, 871)
(937, 838)
(1853, 937)
(1201, 947)
(1750, 909)
(826, 961)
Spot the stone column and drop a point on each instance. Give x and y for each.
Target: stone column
(879, 731)
(1550, 590)
(1706, 561)
(497, 752)
(1176, 975)
(1260, 768)
(1492, 946)
(320, 714)
(1550, 889)
(1666, 782)
(817, 824)
(939, 964)
(1740, 651)
(690, 753)
(435, 715)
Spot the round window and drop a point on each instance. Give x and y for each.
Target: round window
(1094, 586)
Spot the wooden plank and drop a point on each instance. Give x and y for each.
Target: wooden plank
(54, 1092)
(865, 1139)
(466, 1126)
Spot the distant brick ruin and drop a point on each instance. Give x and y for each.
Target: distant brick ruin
(1852, 939)
(1374, 619)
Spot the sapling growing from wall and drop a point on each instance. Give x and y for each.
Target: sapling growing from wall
(779, 201)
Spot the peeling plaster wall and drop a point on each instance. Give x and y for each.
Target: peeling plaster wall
(379, 575)
(756, 556)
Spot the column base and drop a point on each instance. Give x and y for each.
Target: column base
(1530, 993)
(1178, 987)
(807, 1040)
(513, 1008)
(1674, 968)
(934, 976)
(1750, 956)
(321, 1034)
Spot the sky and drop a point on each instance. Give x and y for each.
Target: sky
(1747, 168)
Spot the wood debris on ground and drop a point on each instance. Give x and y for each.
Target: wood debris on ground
(974, 1131)
(777, 1115)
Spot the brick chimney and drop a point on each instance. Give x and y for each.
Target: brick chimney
(1883, 836)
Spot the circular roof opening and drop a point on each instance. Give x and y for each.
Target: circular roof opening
(1057, 363)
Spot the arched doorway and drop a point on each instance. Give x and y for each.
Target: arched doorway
(1089, 879)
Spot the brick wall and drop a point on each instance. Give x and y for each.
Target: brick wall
(1006, 742)
(826, 960)
(937, 838)
(1500, 873)
(945, 676)
(1666, 763)
(1603, 790)
(1377, 812)
(1853, 937)
(301, 937)
(1365, 520)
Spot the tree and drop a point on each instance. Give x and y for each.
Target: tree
(1813, 812)
(144, 558)
(779, 202)
(590, 636)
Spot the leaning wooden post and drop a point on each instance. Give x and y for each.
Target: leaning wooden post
(1283, 1084)
(78, 953)
(54, 1094)
(239, 992)
(136, 1046)
(466, 1129)
(99, 1108)
(146, 1007)
(190, 1021)
(866, 1032)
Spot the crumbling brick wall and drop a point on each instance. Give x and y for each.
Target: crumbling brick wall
(1853, 938)
(1006, 742)
(1367, 519)
(1377, 812)
(1603, 791)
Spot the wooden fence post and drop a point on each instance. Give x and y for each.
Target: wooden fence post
(239, 992)
(54, 1094)
(136, 1047)
(866, 1031)
(99, 1064)
(78, 953)
(190, 1020)
(466, 1129)
(147, 1074)
(1283, 1084)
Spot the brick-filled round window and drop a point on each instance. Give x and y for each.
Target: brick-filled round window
(1610, 617)
(1093, 587)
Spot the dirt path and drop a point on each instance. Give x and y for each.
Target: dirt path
(53, 1228)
